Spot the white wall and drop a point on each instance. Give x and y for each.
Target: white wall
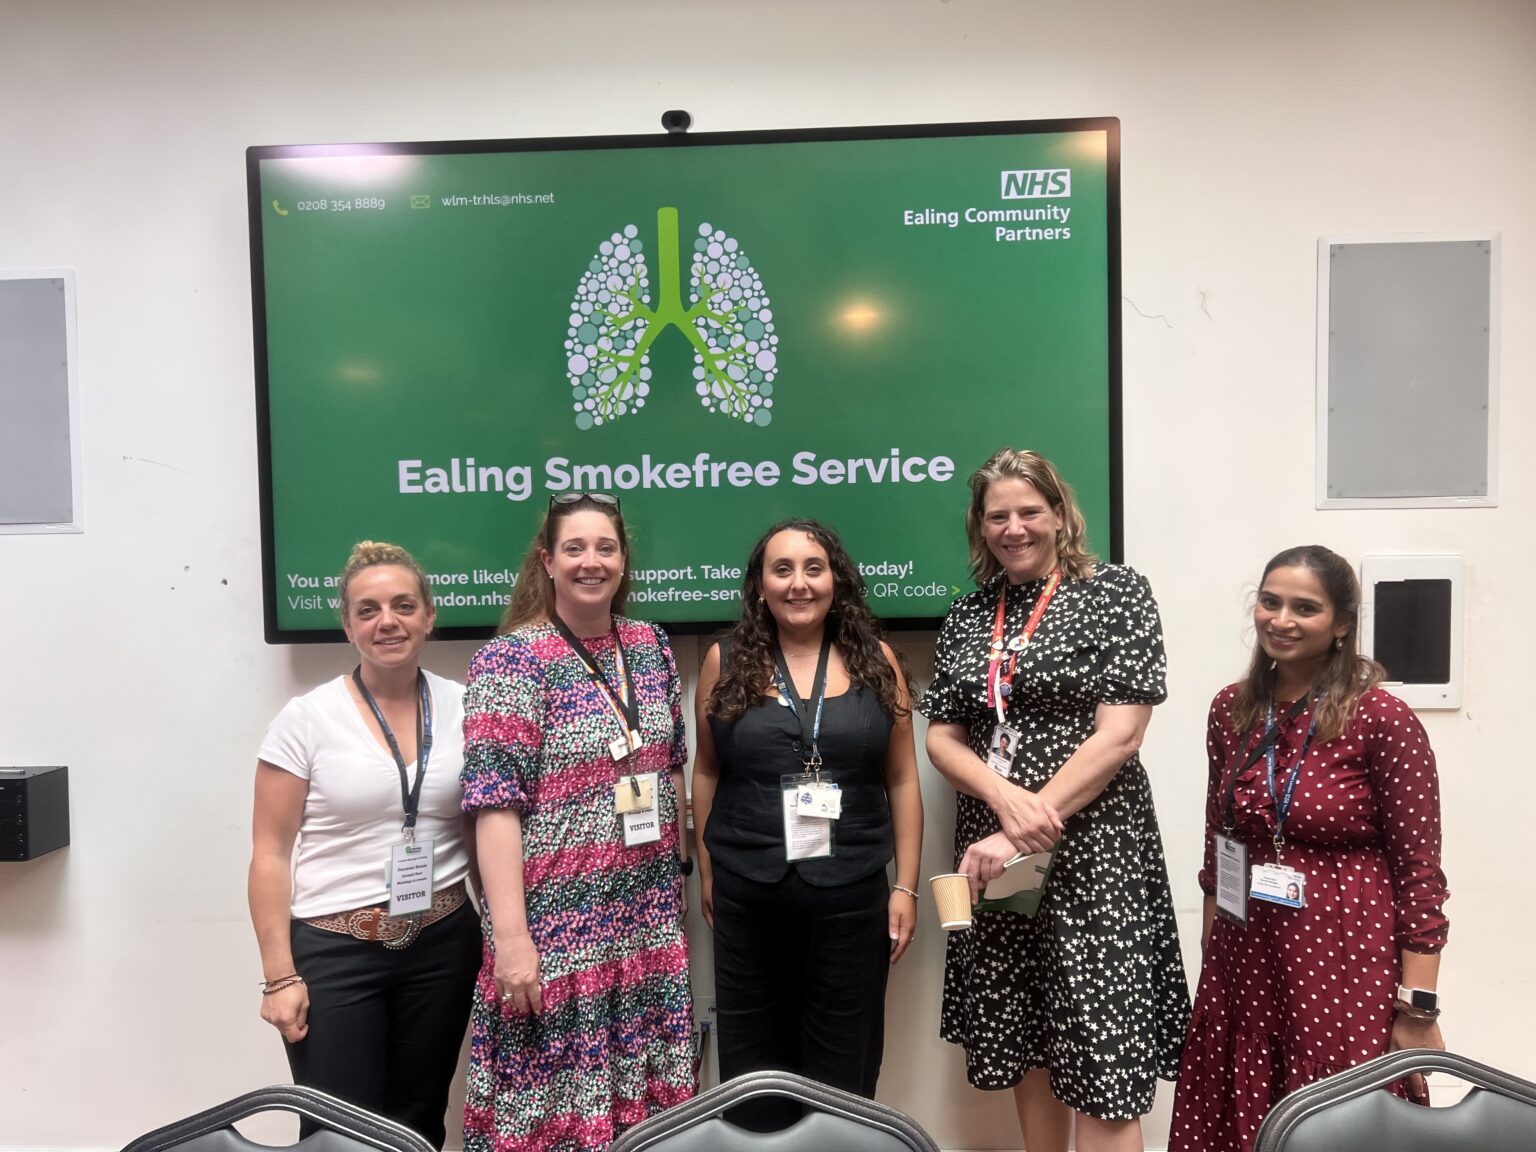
(133, 652)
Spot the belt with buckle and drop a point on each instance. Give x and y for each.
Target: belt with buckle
(376, 924)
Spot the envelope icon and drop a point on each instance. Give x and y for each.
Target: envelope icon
(421, 201)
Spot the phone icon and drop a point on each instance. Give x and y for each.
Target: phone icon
(279, 209)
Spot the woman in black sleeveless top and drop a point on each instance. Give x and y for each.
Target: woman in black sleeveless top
(804, 711)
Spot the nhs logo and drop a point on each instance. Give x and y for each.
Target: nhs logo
(1037, 183)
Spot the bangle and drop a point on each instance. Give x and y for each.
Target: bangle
(904, 888)
(278, 985)
(277, 980)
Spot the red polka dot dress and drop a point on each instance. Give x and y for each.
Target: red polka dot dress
(1298, 994)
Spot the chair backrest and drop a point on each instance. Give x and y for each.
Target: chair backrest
(835, 1121)
(343, 1127)
(1348, 1112)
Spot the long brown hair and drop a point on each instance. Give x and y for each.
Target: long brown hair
(1071, 541)
(748, 668)
(1346, 674)
(533, 599)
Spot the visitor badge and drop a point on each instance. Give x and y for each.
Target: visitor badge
(634, 793)
(410, 877)
(1002, 748)
(806, 836)
(1231, 875)
(1279, 885)
(641, 825)
(823, 800)
(621, 746)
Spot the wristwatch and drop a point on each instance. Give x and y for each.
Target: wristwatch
(685, 863)
(1420, 1003)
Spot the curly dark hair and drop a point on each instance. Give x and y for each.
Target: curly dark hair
(748, 668)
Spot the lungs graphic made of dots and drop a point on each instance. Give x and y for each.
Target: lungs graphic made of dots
(616, 316)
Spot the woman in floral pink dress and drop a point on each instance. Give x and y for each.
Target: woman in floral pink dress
(573, 757)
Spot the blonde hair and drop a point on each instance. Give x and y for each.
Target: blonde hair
(1071, 540)
(372, 554)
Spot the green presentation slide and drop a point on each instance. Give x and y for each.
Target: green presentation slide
(722, 330)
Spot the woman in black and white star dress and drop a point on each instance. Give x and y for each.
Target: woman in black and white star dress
(1081, 1008)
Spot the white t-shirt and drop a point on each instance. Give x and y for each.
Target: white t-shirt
(353, 813)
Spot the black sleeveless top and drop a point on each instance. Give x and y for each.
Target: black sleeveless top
(745, 832)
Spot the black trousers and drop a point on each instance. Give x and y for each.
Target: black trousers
(800, 975)
(386, 1026)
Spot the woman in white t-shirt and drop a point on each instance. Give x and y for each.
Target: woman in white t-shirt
(369, 946)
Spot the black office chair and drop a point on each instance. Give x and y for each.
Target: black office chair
(343, 1127)
(834, 1121)
(1347, 1113)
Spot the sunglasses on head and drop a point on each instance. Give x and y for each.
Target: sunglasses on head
(605, 498)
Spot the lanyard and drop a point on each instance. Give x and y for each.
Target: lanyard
(410, 795)
(1265, 747)
(786, 683)
(1283, 807)
(999, 684)
(624, 704)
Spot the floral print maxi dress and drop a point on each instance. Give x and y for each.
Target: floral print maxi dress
(1092, 987)
(613, 1043)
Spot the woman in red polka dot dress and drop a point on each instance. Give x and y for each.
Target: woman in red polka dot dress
(1323, 851)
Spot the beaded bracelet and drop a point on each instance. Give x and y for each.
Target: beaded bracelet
(904, 888)
(278, 985)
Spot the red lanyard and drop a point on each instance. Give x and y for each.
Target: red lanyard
(618, 703)
(999, 683)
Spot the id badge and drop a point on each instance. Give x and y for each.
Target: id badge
(1277, 884)
(641, 825)
(1002, 748)
(621, 746)
(634, 793)
(825, 801)
(410, 878)
(806, 836)
(1231, 875)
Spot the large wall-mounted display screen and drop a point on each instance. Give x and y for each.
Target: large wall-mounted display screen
(723, 330)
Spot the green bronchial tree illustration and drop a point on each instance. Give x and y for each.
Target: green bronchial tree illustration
(728, 321)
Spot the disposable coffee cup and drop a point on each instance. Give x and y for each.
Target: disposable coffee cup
(952, 893)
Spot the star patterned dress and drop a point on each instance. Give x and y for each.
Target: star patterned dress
(1092, 987)
(614, 1042)
(1302, 993)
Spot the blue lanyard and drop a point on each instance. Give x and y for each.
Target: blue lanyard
(410, 796)
(1283, 805)
(786, 686)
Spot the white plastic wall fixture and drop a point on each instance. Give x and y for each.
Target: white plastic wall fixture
(1377, 570)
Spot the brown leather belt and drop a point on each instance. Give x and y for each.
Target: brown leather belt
(375, 922)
